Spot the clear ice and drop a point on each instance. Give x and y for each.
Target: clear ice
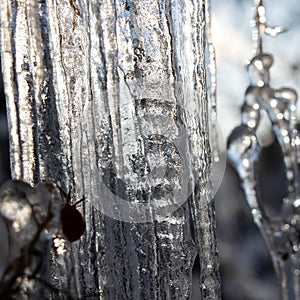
(88, 87)
(281, 234)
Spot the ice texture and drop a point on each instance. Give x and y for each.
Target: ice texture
(98, 94)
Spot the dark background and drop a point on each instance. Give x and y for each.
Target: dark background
(4, 155)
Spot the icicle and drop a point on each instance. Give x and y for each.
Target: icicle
(282, 234)
(212, 84)
(216, 138)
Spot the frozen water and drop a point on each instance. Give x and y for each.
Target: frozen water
(81, 72)
(243, 150)
(281, 234)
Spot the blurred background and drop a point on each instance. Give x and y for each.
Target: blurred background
(247, 273)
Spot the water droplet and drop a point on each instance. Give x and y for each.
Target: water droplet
(260, 83)
(285, 227)
(242, 149)
(258, 69)
(279, 116)
(252, 124)
(290, 175)
(252, 96)
(273, 103)
(256, 215)
(287, 95)
(296, 203)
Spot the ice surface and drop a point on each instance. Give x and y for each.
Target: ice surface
(94, 91)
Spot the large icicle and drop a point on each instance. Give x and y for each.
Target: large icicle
(108, 99)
